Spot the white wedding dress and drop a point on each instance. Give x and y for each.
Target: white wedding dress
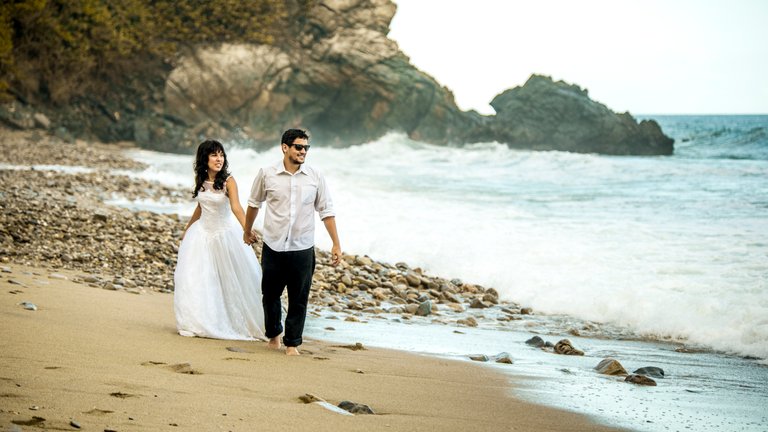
(217, 278)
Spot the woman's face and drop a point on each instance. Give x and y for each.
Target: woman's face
(215, 162)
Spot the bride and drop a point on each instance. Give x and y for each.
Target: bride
(217, 278)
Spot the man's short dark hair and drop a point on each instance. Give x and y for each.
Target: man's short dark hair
(290, 136)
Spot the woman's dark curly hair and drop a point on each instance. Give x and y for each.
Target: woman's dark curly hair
(205, 149)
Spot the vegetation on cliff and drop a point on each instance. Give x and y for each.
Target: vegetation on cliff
(52, 51)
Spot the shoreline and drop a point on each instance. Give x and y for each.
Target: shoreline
(60, 241)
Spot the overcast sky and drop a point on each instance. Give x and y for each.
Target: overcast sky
(642, 56)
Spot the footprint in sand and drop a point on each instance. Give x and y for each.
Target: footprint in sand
(97, 411)
(122, 395)
(183, 368)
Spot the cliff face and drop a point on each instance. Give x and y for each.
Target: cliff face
(341, 77)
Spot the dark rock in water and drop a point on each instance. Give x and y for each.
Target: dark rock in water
(609, 366)
(479, 357)
(564, 347)
(548, 115)
(355, 408)
(479, 304)
(502, 358)
(424, 309)
(535, 341)
(468, 321)
(640, 380)
(526, 311)
(650, 371)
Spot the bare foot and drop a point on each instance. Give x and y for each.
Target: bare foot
(292, 351)
(274, 343)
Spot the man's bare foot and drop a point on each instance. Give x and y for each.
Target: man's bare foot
(274, 343)
(292, 351)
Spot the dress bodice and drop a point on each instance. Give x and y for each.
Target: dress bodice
(215, 210)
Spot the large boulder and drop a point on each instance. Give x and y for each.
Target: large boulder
(342, 78)
(548, 115)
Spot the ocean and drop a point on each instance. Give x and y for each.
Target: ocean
(653, 250)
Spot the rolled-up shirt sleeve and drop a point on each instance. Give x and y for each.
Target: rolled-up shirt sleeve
(258, 191)
(323, 202)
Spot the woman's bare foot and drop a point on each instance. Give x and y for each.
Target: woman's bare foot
(274, 343)
(292, 351)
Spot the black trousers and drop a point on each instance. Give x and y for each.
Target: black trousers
(292, 270)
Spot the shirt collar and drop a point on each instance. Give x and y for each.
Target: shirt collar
(280, 169)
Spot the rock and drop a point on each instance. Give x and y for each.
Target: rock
(479, 357)
(535, 341)
(75, 424)
(640, 380)
(310, 398)
(490, 298)
(547, 115)
(479, 304)
(424, 309)
(411, 308)
(526, 311)
(609, 366)
(355, 408)
(468, 321)
(413, 279)
(29, 306)
(41, 120)
(502, 358)
(650, 371)
(564, 347)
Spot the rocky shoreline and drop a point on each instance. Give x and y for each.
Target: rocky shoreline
(59, 219)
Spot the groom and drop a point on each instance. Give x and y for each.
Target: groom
(292, 192)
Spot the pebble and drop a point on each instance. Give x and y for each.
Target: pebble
(29, 306)
(355, 408)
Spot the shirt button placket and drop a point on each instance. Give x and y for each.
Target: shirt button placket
(292, 214)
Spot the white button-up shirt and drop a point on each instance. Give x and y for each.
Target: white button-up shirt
(292, 199)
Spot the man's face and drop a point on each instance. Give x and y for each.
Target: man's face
(295, 155)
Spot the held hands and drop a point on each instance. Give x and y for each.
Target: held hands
(250, 237)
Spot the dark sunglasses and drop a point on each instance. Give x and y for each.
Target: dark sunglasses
(299, 147)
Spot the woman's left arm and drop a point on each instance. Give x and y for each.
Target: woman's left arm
(234, 201)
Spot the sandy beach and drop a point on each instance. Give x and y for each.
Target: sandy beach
(111, 360)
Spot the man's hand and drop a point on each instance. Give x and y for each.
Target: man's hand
(335, 255)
